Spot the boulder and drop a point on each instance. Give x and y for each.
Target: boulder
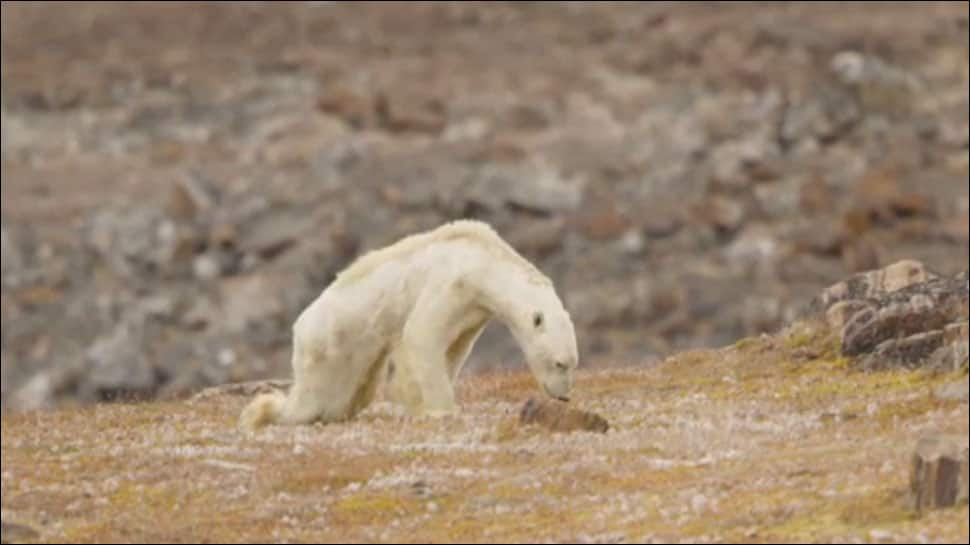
(939, 473)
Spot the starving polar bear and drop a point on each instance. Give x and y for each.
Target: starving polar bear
(419, 306)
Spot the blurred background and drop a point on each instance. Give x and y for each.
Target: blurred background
(180, 180)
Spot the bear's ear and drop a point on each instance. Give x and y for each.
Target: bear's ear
(538, 320)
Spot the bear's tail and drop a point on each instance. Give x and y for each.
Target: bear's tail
(265, 410)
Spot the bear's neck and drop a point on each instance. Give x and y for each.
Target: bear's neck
(508, 295)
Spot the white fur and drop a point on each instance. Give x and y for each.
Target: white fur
(420, 303)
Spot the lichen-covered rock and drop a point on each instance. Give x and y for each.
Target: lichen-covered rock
(870, 329)
(939, 478)
(558, 417)
(875, 284)
(910, 352)
(901, 316)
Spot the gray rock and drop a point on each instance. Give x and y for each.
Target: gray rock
(939, 474)
(957, 391)
(119, 365)
(38, 393)
(208, 267)
(140, 243)
(878, 85)
(534, 188)
(274, 234)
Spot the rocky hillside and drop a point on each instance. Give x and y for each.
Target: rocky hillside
(179, 181)
(776, 439)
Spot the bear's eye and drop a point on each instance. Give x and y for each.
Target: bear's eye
(538, 320)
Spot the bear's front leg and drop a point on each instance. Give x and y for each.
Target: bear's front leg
(425, 365)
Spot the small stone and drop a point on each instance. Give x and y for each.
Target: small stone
(958, 391)
(207, 267)
(227, 357)
(939, 474)
(558, 417)
(722, 213)
(399, 112)
(880, 535)
(354, 109)
(433, 507)
(632, 243)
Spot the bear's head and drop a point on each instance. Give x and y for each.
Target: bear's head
(550, 346)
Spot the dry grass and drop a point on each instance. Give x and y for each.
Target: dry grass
(754, 443)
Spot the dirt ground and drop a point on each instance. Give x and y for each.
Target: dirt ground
(750, 444)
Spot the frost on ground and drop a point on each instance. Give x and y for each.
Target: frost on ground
(743, 444)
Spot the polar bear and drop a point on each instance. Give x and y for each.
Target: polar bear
(421, 303)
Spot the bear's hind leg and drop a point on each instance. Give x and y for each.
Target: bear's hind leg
(320, 393)
(367, 390)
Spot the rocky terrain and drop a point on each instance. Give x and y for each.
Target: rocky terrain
(179, 181)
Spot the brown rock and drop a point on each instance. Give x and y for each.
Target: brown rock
(402, 113)
(608, 224)
(353, 108)
(957, 231)
(909, 205)
(816, 196)
(939, 478)
(720, 212)
(540, 237)
(858, 221)
(558, 417)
